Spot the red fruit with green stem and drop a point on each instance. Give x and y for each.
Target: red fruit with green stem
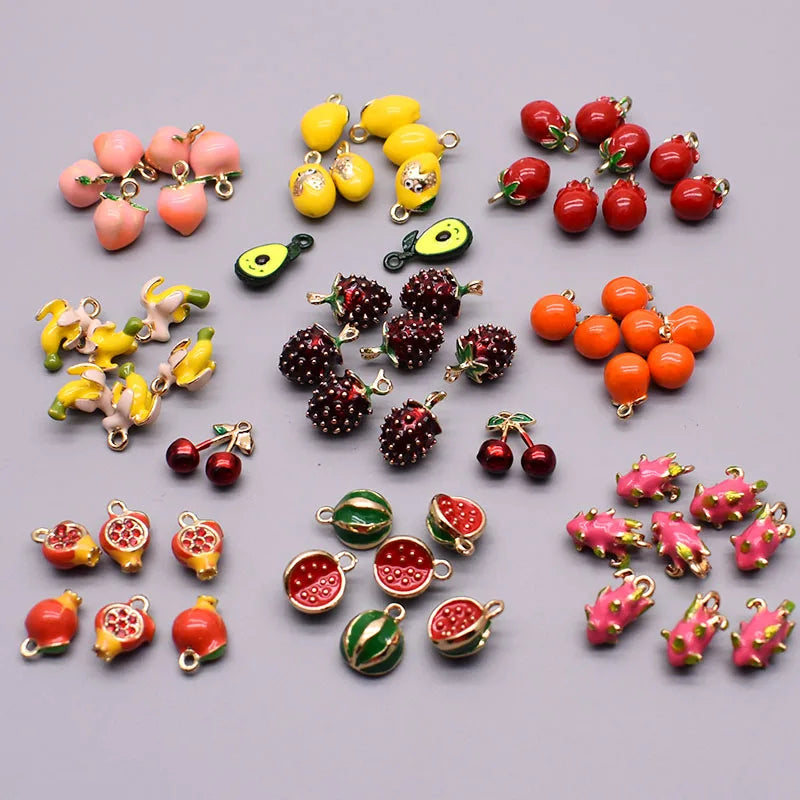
(625, 149)
(409, 341)
(624, 205)
(524, 180)
(436, 294)
(544, 124)
(338, 405)
(409, 432)
(461, 626)
(483, 354)
(674, 158)
(223, 468)
(199, 634)
(575, 207)
(51, 625)
(597, 120)
(693, 199)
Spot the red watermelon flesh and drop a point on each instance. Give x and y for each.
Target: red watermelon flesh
(315, 581)
(464, 516)
(403, 566)
(454, 618)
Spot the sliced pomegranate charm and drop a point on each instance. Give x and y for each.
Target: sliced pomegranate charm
(51, 625)
(461, 626)
(125, 535)
(315, 580)
(122, 627)
(198, 544)
(455, 522)
(199, 634)
(405, 567)
(67, 544)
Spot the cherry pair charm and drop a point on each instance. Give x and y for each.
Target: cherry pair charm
(496, 457)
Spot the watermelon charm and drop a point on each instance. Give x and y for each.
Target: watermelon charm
(678, 541)
(361, 519)
(606, 535)
(687, 641)
(756, 544)
(652, 479)
(617, 608)
(461, 626)
(763, 635)
(198, 545)
(727, 501)
(315, 580)
(455, 522)
(199, 634)
(67, 544)
(51, 625)
(125, 535)
(123, 627)
(372, 642)
(405, 566)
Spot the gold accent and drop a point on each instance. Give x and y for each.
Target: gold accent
(129, 189)
(25, 649)
(188, 660)
(434, 562)
(399, 214)
(341, 570)
(573, 140)
(117, 439)
(40, 535)
(449, 140)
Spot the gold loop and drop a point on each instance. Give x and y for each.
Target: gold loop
(142, 600)
(722, 187)
(147, 172)
(625, 410)
(647, 582)
(123, 509)
(312, 157)
(39, 535)
(244, 426)
(188, 660)
(334, 98)
(464, 546)
(624, 105)
(129, 188)
(395, 611)
(358, 134)
(187, 518)
(159, 385)
(570, 137)
(326, 520)
(757, 603)
(710, 600)
(692, 139)
(90, 302)
(145, 334)
(343, 148)
(346, 555)
(117, 439)
(399, 214)
(194, 132)
(493, 608)
(778, 512)
(25, 649)
(568, 294)
(448, 569)
(223, 188)
(449, 140)
(734, 472)
(382, 385)
(180, 171)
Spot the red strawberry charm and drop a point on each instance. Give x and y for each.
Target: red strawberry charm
(625, 149)
(695, 198)
(525, 180)
(183, 205)
(596, 121)
(674, 158)
(544, 124)
(625, 205)
(575, 207)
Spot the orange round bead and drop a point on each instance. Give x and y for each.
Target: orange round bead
(692, 327)
(627, 378)
(671, 365)
(623, 295)
(596, 336)
(553, 316)
(641, 330)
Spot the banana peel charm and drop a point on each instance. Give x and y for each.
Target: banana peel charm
(312, 189)
(448, 238)
(416, 185)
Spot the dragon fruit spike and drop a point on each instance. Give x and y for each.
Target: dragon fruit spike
(652, 479)
(764, 634)
(616, 608)
(759, 541)
(727, 501)
(687, 641)
(606, 535)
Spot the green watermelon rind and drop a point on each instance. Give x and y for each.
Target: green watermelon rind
(474, 644)
(379, 644)
(372, 530)
(440, 534)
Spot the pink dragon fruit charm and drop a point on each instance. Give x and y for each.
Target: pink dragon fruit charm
(606, 535)
(678, 540)
(615, 609)
(763, 635)
(727, 501)
(652, 479)
(687, 641)
(762, 537)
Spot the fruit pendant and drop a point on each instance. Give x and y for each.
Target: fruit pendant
(693, 199)
(763, 635)
(355, 300)
(624, 205)
(597, 120)
(311, 187)
(495, 456)
(762, 537)
(312, 354)
(199, 634)
(362, 519)
(554, 316)
(409, 341)
(461, 626)
(412, 139)
(727, 501)
(321, 126)
(125, 535)
(624, 294)
(123, 627)
(118, 221)
(416, 184)
(544, 124)
(607, 535)
(677, 540)
(215, 158)
(652, 479)
(596, 337)
(687, 641)
(222, 468)
(408, 433)
(315, 580)
(51, 625)
(675, 158)
(352, 174)
(575, 207)
(198, 545)
(624, 149)
(455, 522)
(383, 116)
(483, 354)
(448, 238)
(436, 294)
(82, 183)
(372, 642)
(67, 544)
(405, 567)
(183, 205)
(627, 379)
(170, 145)
(260, 266)
(617, 608)
(524, 180)
(339, 403)
(121, 153)
(167, 306)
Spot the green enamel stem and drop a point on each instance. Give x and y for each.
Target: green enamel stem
(57, 410)
(473, 287)
(133, 326)
(205, 334)
(126, 369)
(198, 298)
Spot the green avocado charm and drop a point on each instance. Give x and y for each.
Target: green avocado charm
(260, 266)
(445, 239)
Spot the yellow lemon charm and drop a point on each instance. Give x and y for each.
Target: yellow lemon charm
(383, 116)
(410, 140)
(313, 192)
(417, 184)
(322, 125)
(352, 174)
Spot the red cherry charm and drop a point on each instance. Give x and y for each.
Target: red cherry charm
(495, 456)
(223, 468)
(625, 205)
(539, 461)
(575, 207)
(597, 120)
(182, 456)
(625, 149)
(695, 198)
(544, 124)
(674, 158)
(524, 180)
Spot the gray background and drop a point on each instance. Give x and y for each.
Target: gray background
(538, 713)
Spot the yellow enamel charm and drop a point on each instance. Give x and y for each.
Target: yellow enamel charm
(383, 116)
(352, 174)
(109, 343)
(193, 366)
(311, 186)
(322, 125)
(417, 184)
(143, 402)
(66, 327)
(410, 140)
(86, 393)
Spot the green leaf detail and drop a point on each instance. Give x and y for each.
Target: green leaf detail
(110, 196)
(84, 179)
(464, 352)
(409, 241)
(684, 552)
(522, 419)
(220, 429)
(760, 486)
(510, 189)
(495, 422)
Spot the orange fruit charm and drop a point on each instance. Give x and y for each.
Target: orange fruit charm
(553, 316)
(627, 378)
(596, 336)
(671, 365)
(692, 327)
(641, 330)
(622, 295)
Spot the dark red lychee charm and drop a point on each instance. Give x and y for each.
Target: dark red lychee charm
(525, 180)
(222, 468)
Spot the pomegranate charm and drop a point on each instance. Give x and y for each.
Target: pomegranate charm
(461, 626)
(652, 479)
(315, 580)
(199, 634)
(51, 625)
(198, 545)
(455, 522)
(727, 501)
(606, 535)
(763, 635)
(123, 627)
(125, 535)
(67, 544)
(617, 608)
(678, 540)
(687, 641)
(405, 567)
(756, 544)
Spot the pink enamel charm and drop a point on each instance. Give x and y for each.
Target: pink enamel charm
(763, 635)
(118, 221)
(652, 479)
(120, 153)
(606, 535)
(170, 145)
(183, 205)
(82, 182)
(678, 540)
(215, 156)
(615, 609)
(756, 544)
(687, 641)
(727, 501)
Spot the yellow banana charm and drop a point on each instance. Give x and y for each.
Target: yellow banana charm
(352, 174)
(383, 116)
(410, 140)
(312, 188)
(416, 184)
(322, 126)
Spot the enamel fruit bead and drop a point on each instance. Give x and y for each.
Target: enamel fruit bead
(166, 306)
(727, 501)
(215, 158)
(372, 642)
(642, 330)
(606, 535)
(675, 158)
(321, 126)
(315, 580)
(617, 608)
(125, 535)
(692, 327)
(122, 627)
(524, 180)
(544, 124)
(538, 460)
(461, 626)
(495, 455)
(671, 365)
(554, 316)
(624, 149)
(448, 238)
(622, 295)
(483, 353)
(355, 300)
(312, 354)
(170, 145)
(575, 207)
(598, 119)
(624, 205)
(340, 402)
(260, 266)
(82, 183)
(763, 635)
(222, 469)
(312, 188)
(687, 641)
(416, 184)
(198, 545)
(199, 634)
(762, 537)
(404, 567)
(677, 540)
(383, 116)
(67, 544)
(362, 519)
(408, 433)
(183, 205)
(409, 341)
(413, 139)
(627, 378)
(51, 625)
(455, 522)
(120, 153)
(695, 198)
(436, 294)
(118, 221)
(352, 174)
(652, 479)
(596, 337)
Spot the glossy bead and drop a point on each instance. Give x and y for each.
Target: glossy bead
(524, 180)
(182, 456)
(597, 120)
(539, 461)
(575, 207)
(553, 316)
(695, 198)
(671, 365)
(624, 205)
(627, 378)
(624, 294)
(223, 469)
(495, 456)
(544, 124)
(641, 330)
(625, 149)
(596, 337)
(692, 327)
(674, 159)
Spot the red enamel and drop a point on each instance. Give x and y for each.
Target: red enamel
(199, 629)
(461, 514)
(454, 618)
(126, 533)
(195, 540)
(403, 566)
(315, 581)
(51, 624)
(59, 544)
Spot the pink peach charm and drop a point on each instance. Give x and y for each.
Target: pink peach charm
(606, 535)
(170, 145)
(215, 157)
(118, 221)
(184, 204)
(678, 540)
(763, 635)
(652, 480)
(756, 544)
(727, 501)
(120, 153)
(615, 609)
(687, 641)
(82, 182)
